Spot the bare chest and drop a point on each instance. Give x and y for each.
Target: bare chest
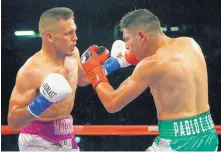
(69, 70)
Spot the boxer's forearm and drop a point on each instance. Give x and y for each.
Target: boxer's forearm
(112, 100)
(20, 118)
(115, 100)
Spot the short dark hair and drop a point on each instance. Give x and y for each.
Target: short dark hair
(52, 16)
(140, 18)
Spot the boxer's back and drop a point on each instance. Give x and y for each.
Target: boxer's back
(182, 88)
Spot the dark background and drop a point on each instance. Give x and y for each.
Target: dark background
(96, 20)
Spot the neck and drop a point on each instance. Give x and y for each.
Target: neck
(51, 53)
(159, 41)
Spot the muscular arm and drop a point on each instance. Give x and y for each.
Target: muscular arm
(131, 88)
(22, 94)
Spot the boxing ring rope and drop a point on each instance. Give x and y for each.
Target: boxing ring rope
(99, 130)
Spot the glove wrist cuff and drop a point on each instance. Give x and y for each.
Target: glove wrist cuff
(39, 105)
(97, 75)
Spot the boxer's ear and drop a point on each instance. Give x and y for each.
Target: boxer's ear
(49, 37)
(142, 36)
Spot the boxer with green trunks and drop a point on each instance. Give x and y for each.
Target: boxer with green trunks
(194, 133)
(176, 72)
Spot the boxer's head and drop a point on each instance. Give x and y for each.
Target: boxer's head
(58, 30)
(139, 29)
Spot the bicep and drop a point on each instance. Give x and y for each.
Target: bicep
(115, 100)
(130, 89)
(134, 85)
(23, 93)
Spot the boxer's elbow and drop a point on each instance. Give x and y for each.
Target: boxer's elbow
(83, 82)
(19, 118)
(12, 123)
(113, 107)
(110, 98)
(13, 126)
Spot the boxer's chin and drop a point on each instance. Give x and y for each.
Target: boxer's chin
(69, 53)
(73, 48)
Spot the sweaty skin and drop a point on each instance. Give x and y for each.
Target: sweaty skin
(32, 74)
(176, 75)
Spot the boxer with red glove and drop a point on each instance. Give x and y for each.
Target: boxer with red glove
(95, 56)
(92, 60)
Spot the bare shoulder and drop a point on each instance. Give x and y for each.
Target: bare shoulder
(29, 71)
(32, 65)
(187, 41)
(151, 61)
(183, 40)
(150, 66)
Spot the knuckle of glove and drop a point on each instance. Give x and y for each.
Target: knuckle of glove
(118, 52)
(93, 48)
(55, 87)
(103, 54)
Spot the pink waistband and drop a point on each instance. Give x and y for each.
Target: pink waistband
(53, 131)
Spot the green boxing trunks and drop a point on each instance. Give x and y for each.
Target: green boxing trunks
(189, 134)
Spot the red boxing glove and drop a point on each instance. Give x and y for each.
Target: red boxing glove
(92, 60)
(130, 58)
